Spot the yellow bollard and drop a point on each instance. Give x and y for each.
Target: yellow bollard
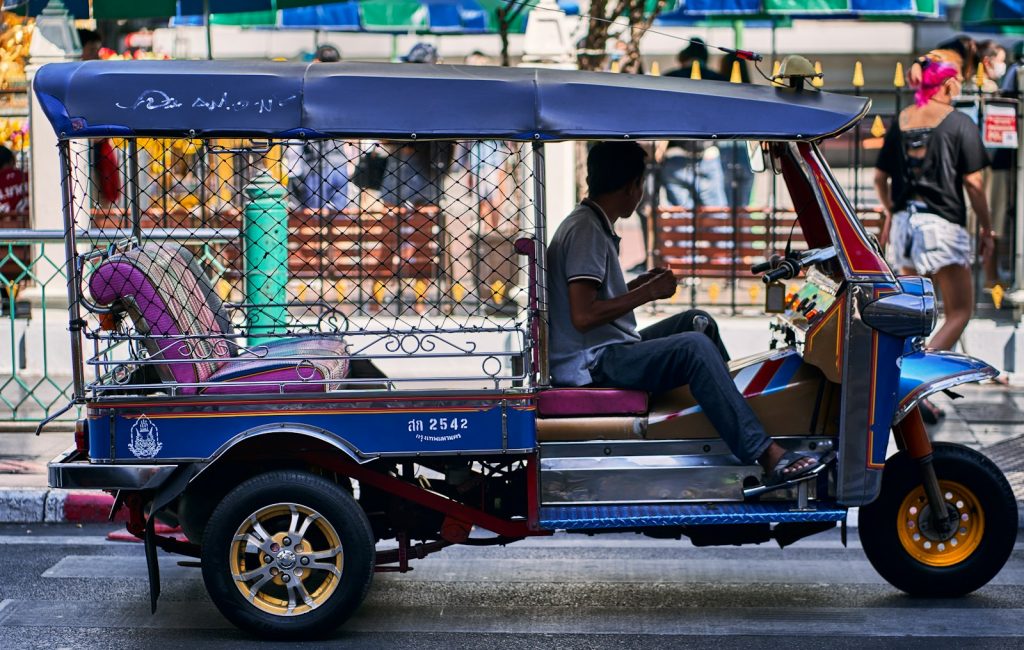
(458, 292)
(420, 289)
(755, 292)
(898, 79)
(695, 70)
(997, 296)
(341, 288)
(736, 76)
(877, 128)
(980, 77)
(818, 81)
(615, 67)
(223, 289)
(858, 75)
(713, 291)
(655, 69)
(498, 292)
(378, 291)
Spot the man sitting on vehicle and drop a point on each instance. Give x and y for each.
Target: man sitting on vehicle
(594, 339)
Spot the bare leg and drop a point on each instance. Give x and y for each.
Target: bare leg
(957, 291)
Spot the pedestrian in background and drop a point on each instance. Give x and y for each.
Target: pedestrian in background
(739, 177)
(931, 155)
(13, 186)
(691, 171)
(105, 170)
(992, 61)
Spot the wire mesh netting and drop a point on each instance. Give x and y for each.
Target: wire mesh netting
(239, 266)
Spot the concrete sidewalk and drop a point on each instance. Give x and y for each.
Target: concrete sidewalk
(989, 418)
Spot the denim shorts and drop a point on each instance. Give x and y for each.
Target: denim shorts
(926, 242)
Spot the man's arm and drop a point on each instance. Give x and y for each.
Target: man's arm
(974, 184)
(588, 311)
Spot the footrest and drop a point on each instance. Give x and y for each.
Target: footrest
(643, 516)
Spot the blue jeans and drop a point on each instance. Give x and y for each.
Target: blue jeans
(680, 350)
(682, 176)
(736, 165)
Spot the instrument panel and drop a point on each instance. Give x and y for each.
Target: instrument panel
(804, 304)
(808, 324)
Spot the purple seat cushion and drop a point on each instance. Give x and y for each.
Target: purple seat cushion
(174, 304)
(166, 300)
(578, 402)
(318, 361)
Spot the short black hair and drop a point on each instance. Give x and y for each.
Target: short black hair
(328, 54)
(695, 50)
(612, 166)
(86, 36)
(6, 156)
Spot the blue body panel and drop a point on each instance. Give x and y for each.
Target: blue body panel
(642, 516)
(887, 379)
(923, 373)
(266, 99)
(197, 432)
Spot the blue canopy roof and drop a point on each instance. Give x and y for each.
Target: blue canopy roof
(399, 101)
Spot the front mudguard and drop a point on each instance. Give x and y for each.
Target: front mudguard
(923, 373)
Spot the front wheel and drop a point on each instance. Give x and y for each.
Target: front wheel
(910, 552)
(288, 555)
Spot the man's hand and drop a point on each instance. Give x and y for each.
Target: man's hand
(662, 285)
(644, 278)
(986, 244)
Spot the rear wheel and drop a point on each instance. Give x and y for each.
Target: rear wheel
(288, 555)
(912, 553)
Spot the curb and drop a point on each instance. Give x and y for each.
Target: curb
(44, 505)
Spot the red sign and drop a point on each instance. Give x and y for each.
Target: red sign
(999, 126)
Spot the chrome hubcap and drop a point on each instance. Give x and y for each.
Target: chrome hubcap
(286, 559)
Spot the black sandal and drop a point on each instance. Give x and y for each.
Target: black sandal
(778, 475)
(930, 413)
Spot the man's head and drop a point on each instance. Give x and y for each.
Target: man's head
(327, 54)
(615, 174)
(695, 51)
(421, 53)
(91, 44)
(6, 157)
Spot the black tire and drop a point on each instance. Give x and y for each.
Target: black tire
(340, 594)
(880, 522)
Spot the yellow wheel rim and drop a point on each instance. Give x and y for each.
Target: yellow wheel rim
(286, 559)
(927, 546)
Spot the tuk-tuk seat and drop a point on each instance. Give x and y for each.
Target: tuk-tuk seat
(581, 402)
(166, 294)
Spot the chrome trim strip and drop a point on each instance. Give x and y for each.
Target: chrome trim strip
(910, 402)
(70, 470)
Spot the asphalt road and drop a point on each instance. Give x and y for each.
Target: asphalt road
(62, 586)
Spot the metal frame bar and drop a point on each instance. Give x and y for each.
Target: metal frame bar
(540, 233)
(71, 260)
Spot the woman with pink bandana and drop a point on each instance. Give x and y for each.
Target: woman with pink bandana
(931, 155)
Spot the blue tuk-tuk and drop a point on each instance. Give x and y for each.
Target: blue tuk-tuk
(312, 330)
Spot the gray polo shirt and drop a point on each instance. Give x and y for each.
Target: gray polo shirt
(583, 247)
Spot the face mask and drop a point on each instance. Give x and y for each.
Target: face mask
(998, 70)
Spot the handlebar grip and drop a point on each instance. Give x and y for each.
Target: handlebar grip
(787, 269)
(768, 264)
